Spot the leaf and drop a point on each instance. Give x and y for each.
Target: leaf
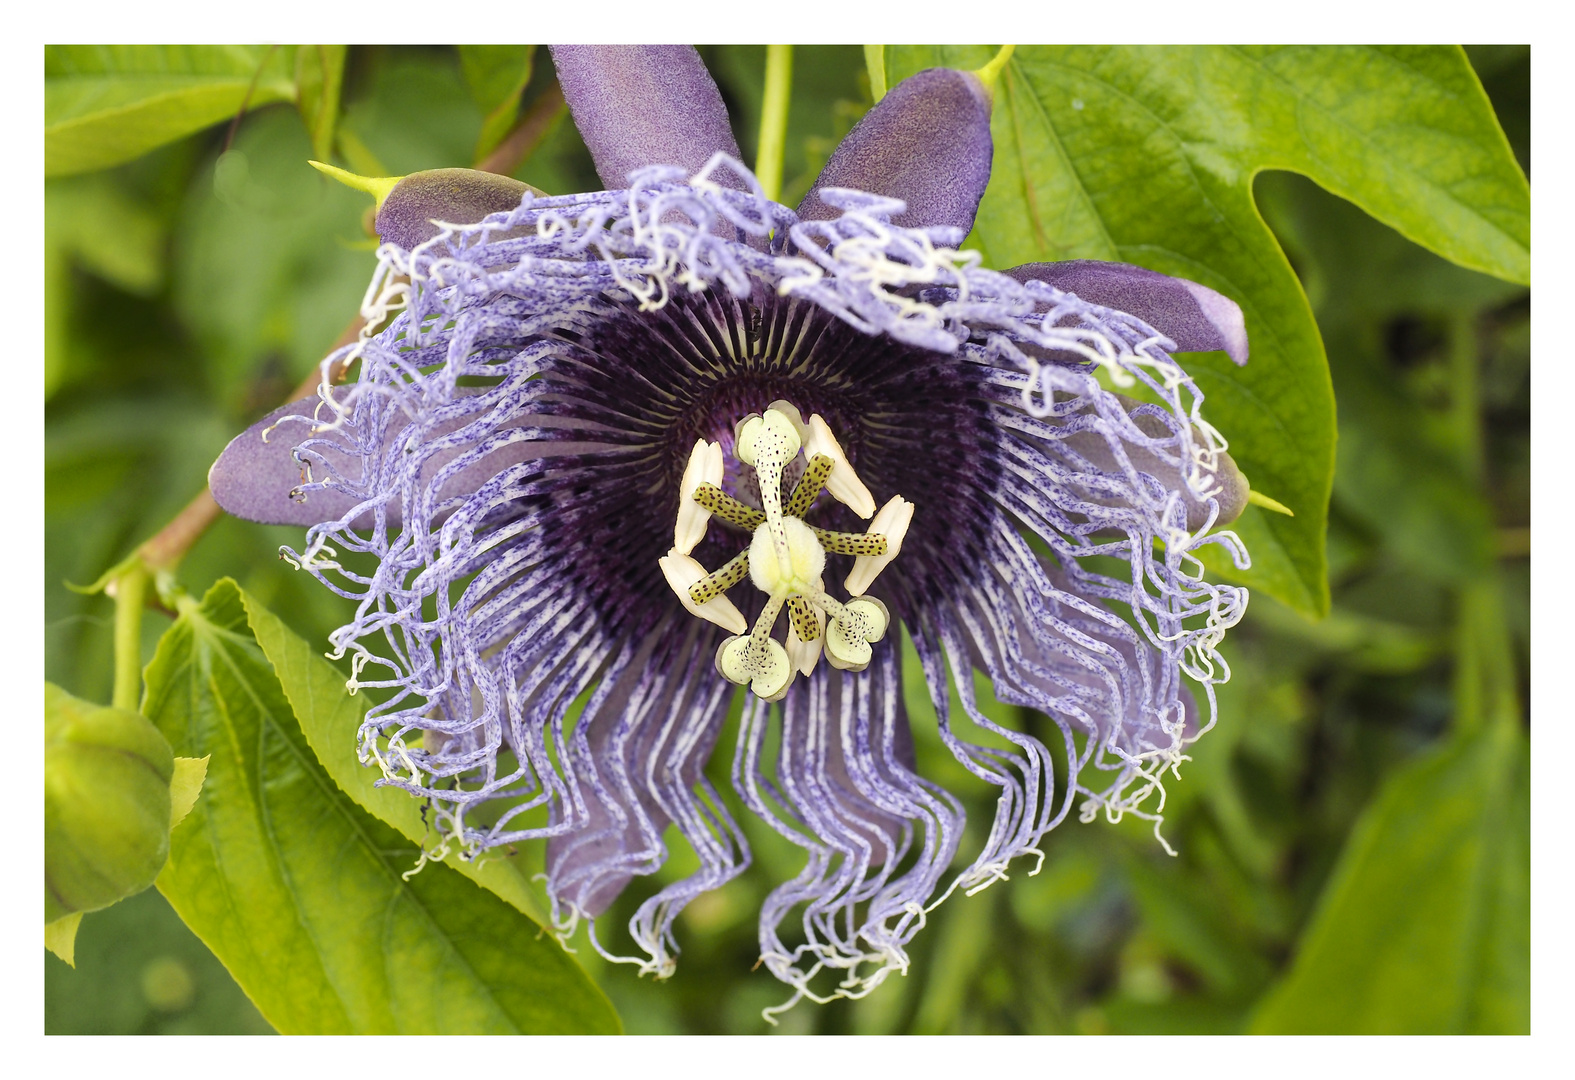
(319, 76)
(1182, 914)
(60, 937)
(1147, 156)
(106, 104)
(329, 718)
(301, 893)
(185, 786)
(496, 76)
(1425, 924)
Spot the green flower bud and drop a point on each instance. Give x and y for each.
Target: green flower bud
(106, 804)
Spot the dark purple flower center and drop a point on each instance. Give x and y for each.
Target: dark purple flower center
(912, 422)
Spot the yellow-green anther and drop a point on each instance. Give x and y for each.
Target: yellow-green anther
(378, 187)
(805, 622)
(711, 586)
(809, 485)
(841, 543)
(728, 508)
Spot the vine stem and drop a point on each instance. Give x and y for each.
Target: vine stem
(131, 589)
(773, 119)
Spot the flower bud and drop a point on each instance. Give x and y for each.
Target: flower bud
(106, 804)
(458, 196)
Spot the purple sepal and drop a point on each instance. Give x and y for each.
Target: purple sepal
(927, 143)
(253, 479)
(641, 105)
(1195, 317)
(257, 480)
(457, 196)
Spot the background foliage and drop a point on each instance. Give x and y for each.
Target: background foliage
(1353, 836)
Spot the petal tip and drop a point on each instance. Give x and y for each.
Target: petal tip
(1227, 317)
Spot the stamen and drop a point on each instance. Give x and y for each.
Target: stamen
(805, 622)
(683, 571)
(728, 508)
(786, 556)
(713, 585)
(809, 485)
(804, 653)
(868, 544)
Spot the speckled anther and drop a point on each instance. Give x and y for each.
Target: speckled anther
(786, 556)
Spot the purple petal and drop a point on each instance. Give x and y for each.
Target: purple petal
(457, 196)
(253, 479)
(927, 143)
(1195, 317)
(640, 105)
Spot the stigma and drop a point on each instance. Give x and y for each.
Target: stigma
(786, 556)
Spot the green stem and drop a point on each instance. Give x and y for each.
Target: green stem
(1465, 393)
(131, 590)
(773, 119)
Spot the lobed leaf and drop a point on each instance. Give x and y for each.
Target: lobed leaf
(302, 894)
(1147, 156)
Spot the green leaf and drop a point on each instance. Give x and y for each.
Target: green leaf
(329, 718)
(106, 104)
(185, 786)
(1147, 156)
(302, 894)
(319, 76)
(1425, 925)
(496, 76)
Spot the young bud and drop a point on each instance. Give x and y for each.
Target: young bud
(106, 804)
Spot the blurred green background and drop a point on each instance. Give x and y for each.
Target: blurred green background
(1351, 836)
